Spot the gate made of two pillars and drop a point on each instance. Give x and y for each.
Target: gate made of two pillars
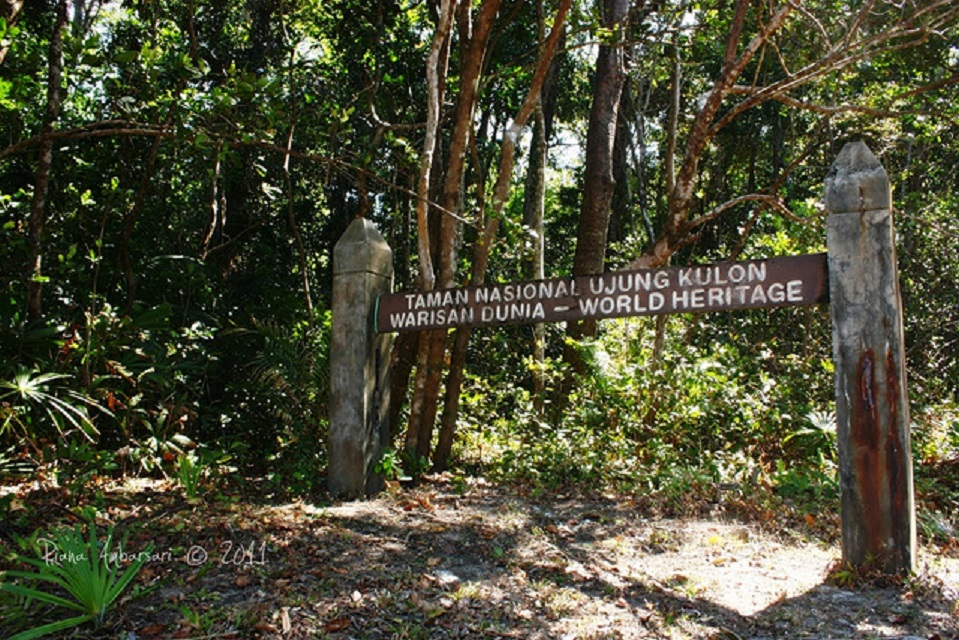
(858, 276)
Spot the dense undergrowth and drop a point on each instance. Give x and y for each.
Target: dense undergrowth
(680, 408)
(685, 411)
(707, 415)
(683, 417)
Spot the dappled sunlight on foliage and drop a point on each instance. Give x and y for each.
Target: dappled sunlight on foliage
(688, 419)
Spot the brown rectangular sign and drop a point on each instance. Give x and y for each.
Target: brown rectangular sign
(774, 282)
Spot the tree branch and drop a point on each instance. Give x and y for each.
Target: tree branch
(770, 201)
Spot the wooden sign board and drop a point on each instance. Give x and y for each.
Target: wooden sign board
(752, 284)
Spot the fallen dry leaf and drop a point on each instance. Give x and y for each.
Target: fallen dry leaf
(153, 630)
(336, 624)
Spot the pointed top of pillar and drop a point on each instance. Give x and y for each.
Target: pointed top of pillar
(362, 248)
(857, 181)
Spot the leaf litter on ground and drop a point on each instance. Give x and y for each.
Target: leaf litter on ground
(445, 561)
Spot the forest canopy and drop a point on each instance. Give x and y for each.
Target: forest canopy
(174, 174)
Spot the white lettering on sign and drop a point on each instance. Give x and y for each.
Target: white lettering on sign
(441, 317)
(720, 286)
(546, 289)
(517, 311)
(434, 299)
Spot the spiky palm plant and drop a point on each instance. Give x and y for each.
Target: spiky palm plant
(86, 576)
(30, 396)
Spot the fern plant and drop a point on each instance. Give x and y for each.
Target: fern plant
(86, 576)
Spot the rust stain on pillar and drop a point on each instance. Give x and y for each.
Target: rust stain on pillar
(865, 432)
(900, 501)
(872, 404)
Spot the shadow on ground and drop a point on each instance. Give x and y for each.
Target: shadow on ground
(489, 564)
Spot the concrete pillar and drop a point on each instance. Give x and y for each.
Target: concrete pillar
(359, 362)
(872, 403)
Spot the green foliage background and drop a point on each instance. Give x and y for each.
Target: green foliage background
(168, 329)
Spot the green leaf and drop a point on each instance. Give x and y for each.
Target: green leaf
(38, 594)
(53, 627)
(127, 56)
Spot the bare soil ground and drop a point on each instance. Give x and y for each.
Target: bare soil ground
(488, 562)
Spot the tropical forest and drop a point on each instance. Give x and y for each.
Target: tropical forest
(176, 174)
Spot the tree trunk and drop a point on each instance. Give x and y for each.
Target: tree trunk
(9, 11)
(38, 206)
(452, 200)
(620, 216)
(213, 201)
(436, 68)
(534, 201)
(590, 256)
(403, 356)
(672, 128)
(133, 214)
(451, 400)
(295, 230)
(485, 242)
(426, 396)
(538, 272)
(639, 158)
(677, 231)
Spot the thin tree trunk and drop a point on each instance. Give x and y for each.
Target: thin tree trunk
(213, 202)
(402, 359)
(454, 384)
(295, 229)
(131, 217)
(452, 200)
(620, 209)
(435, 77)
(590, 256)
(450, 238)
(288, 180)
(672, 133)
(432, 345)
(38, 205)
(639, 159)
(403, 355)
(534, 203)
(461, 340)
(539, 251)
(485, 242)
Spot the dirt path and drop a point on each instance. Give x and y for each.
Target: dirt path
(599, 569)
(488, 563)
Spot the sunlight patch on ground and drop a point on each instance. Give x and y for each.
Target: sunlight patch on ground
(734, 566)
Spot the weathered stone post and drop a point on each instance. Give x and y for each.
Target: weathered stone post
(872, 404)
(359, 362)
